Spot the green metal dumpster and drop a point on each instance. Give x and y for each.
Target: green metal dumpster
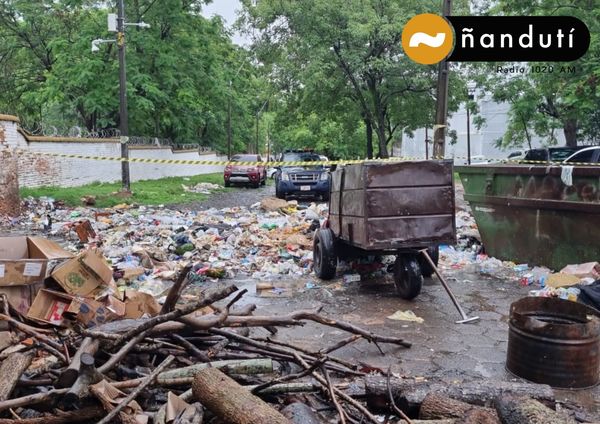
(540, 215)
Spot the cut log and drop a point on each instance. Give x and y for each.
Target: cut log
(248, 367)
(409, 393)
(81, 415)
(11, 370)
(231, 402)
(519, 410)
(87, 375)
(301, 413)
(70, 374)
(478, 416)
(436, 406)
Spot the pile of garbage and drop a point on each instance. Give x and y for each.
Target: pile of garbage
(201, 188)
(268, 240)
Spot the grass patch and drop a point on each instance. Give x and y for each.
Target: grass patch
(148, 192)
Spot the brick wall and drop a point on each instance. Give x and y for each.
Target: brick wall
(45, 170)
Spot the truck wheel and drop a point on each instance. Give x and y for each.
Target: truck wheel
(434, 254)
(227, 184)
(264, 181)
(407, 276)
(256, 184)
(279, 194)
(325, 197)
(324, 256)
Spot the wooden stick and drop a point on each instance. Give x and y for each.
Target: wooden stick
(340, 344)
(201, 355)
(70, 374)
(337, 405)
(30, 331)
(87, 375)
(265, 348)
(116, 358)
(341, 394)
(208, 299)
(40, 344)
(147, 381)
(81, 415)
(258, 389)
(399, 411)
(340, 361)
(175, 291)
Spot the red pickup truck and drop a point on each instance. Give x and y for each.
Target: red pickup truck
(255, 175)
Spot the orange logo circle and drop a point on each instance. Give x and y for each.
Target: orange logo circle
(427, 38)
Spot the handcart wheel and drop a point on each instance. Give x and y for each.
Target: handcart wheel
(324, 256)
(407, 276)
(434, 254)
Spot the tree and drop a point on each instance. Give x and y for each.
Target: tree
(349, 50)
(543, 102)
(178, 71)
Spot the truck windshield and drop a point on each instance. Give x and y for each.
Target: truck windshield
(302, 157)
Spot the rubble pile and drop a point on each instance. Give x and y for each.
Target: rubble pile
(260, 242)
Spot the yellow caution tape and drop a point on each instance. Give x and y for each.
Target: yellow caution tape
(297, 163)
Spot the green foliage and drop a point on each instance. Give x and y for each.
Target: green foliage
(165, 191)
(341, 60)
(178, 70)
(543, 103)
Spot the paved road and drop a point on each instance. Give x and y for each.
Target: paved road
(441, 348)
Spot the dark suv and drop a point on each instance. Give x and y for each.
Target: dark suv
(302, 180)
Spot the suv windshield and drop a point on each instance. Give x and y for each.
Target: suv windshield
(301, 157)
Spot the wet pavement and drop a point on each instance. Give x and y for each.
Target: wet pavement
(441, 348)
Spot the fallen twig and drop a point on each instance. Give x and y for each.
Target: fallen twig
(147, 381)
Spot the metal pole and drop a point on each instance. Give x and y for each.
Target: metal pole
(229, 123)
(468, 135)
(123, 98)
(441, 113)
(268, 143)
(426, 144)
(257, 114)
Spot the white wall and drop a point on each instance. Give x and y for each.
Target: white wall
(482, 141)
(37, 169)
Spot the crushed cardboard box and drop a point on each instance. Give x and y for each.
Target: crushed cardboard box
(84, 274)
(57, 308)
(28, 260)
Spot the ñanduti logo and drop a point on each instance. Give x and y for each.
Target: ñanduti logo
(427, 38)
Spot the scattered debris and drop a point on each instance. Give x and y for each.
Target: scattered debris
(405, 316)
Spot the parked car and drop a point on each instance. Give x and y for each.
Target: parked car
(550, 154)
(255, 175)
(585, 155)
(298, 180)
(271, 172)
(516, 155)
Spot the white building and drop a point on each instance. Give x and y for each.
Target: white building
(482, 140)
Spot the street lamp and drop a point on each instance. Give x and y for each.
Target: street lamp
(116, 23)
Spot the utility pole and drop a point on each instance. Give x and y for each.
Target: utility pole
(124, 127)
(229, 136)
(468, 135)
(426, 144)
(441, 112)
(229, 123)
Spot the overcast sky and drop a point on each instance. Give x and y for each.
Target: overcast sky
(228, 10)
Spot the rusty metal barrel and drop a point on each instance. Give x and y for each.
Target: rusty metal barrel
(555, 342)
